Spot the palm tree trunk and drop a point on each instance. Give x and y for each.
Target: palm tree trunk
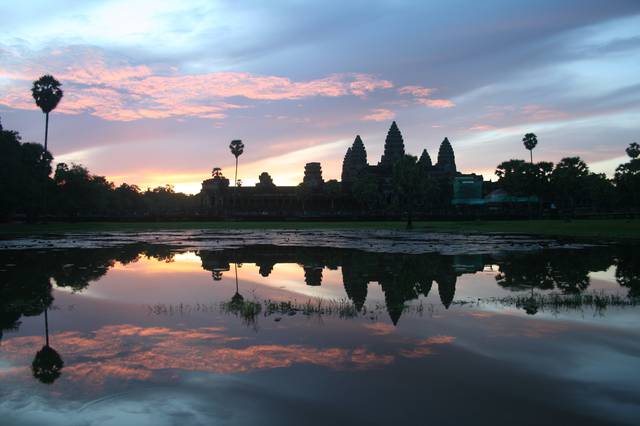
(44, 186)
(235, 267)
(236, 175)
(46, 130)
(46, 326)
(235, 190)
(531, 153)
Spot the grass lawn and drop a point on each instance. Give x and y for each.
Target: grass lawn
(605, 228)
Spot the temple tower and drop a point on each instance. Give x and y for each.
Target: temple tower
(425, 160)
(355, 161)
(446, 158)
(312, 176)
(358, 154)
(393, 146)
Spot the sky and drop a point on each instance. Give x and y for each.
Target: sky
(155, 90)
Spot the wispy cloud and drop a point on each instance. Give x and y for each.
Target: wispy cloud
(417, 91)
(422, 95)
(436, 103)
(481, 128)
(379, 114)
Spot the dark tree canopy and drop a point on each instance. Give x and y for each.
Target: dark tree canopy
(24, 168)
(530, 140)
(47, 365)
(410, 184)
(47, 93)
(627, 180)
(237, 147)
(633, 150)
(520, 178)
(216, 172)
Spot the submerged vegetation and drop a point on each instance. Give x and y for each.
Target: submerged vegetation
(556, 302)
(251, 311)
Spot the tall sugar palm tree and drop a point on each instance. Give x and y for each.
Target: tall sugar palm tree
(47, 93)
(47, 364)
(237, 148)
(530, 141)
(633, 150)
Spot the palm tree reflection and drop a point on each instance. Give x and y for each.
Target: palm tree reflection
(47, 364)
(237, 300)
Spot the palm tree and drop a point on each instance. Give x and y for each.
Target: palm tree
(47, 93)
(530, 141)
(633, 150)
(47, 364)
(237, 148)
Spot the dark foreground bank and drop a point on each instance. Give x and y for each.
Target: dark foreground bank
(600, 228)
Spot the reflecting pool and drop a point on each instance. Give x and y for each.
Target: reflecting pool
(313, 328)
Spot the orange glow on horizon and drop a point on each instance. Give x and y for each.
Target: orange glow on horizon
(286, 169)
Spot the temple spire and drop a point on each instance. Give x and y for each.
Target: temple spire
(355, 161)
(446, 158)
(393, 146)
(358, 154)
(425, 160)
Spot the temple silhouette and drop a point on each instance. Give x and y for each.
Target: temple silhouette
(355, 160)
(360, 184)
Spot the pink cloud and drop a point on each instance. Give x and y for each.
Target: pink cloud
(365, 84)
(380, 328)
(424, 347)
(436, 103)
(417, 91)
(502, 116)
(421, 96)
(542, 113)
(130, 352)
(481, 128)
(380, 114)
(117, 91)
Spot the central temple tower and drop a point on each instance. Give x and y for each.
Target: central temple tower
(393, 147)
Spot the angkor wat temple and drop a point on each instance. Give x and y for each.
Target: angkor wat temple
(355, 160)
(365, 189)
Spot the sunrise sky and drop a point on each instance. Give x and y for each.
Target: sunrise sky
(155, 90)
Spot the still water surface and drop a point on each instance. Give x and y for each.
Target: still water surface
(294, 334)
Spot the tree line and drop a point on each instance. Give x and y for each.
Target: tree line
(72, 191)
(30, 188)
(569, 184)
(26, 177)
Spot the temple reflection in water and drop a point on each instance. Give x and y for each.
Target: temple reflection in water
(27, 276)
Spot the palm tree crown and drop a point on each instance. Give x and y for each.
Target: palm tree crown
(633, 150)
(237, 147)
(47, 93)
(530, 141)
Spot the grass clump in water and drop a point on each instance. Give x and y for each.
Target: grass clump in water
(342, 308)
(556, 302)
(247, 310)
